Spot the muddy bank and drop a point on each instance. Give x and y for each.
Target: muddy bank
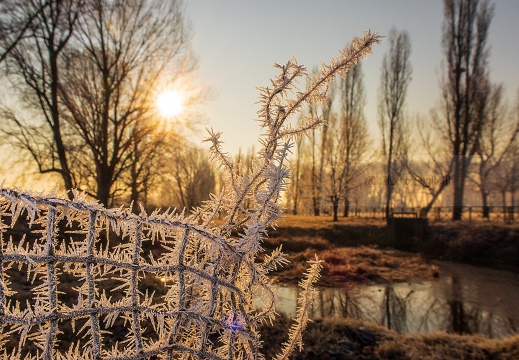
(487, 244)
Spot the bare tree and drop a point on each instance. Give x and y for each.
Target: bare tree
(348, 140)
(243, 161)
(465, 85)
(15, 24)
(318, 148)
(394, 80)
(316, 169)
(146, 165)
(92, 68)
(189, 177)
(126, 51)
(505, 177)
(498, 136)
(508, 180)
(35, 66)
(433, 170)
(297, 174)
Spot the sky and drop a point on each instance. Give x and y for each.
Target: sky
(237, 42)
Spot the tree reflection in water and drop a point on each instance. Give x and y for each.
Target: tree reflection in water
(411, 308)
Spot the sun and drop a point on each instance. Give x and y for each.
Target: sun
(170, 103)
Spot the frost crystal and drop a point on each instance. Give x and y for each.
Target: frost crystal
(97, 291)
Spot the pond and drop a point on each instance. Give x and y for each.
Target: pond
(464, 299)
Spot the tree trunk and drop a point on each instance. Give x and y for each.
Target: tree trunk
(296, 191)
(315, 180)
(317, 210)
(459, 187)
(389, 173)
(56, 125)
(389, 194)
(335, 205)
(294, 208)
(134, 176)
(503, 203)
(134, 191)
(103, 192)
(424, 212)
(486, 208)
(512, 204)
(346, 207)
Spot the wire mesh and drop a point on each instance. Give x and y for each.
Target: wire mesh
(78, 279)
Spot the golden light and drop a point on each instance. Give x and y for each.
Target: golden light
(170, 103)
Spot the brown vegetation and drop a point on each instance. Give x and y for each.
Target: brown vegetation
(352, 339)
(491, 244)
(351, 243)
(349, 266)
(347, 258)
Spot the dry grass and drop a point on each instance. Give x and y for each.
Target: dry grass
(320, 222)
(366, 265)
(491, 244)
(349, 248)
(354, 339)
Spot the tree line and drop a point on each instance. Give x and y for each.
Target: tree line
(85, 74)
(83, 77)
(469, 140)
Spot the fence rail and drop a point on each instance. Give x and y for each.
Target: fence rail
(437, 213)
(56, 242)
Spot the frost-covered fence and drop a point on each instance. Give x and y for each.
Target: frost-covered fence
(207, 310)
(85, 293)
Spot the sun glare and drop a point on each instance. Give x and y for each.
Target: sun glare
(170, 103)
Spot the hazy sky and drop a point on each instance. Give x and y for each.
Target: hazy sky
(238, 41)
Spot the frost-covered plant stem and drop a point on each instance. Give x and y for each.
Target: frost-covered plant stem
(277, 108)
(212, 277)
(279, 105)
(304, 302)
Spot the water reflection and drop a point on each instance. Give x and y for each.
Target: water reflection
(464, 300)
